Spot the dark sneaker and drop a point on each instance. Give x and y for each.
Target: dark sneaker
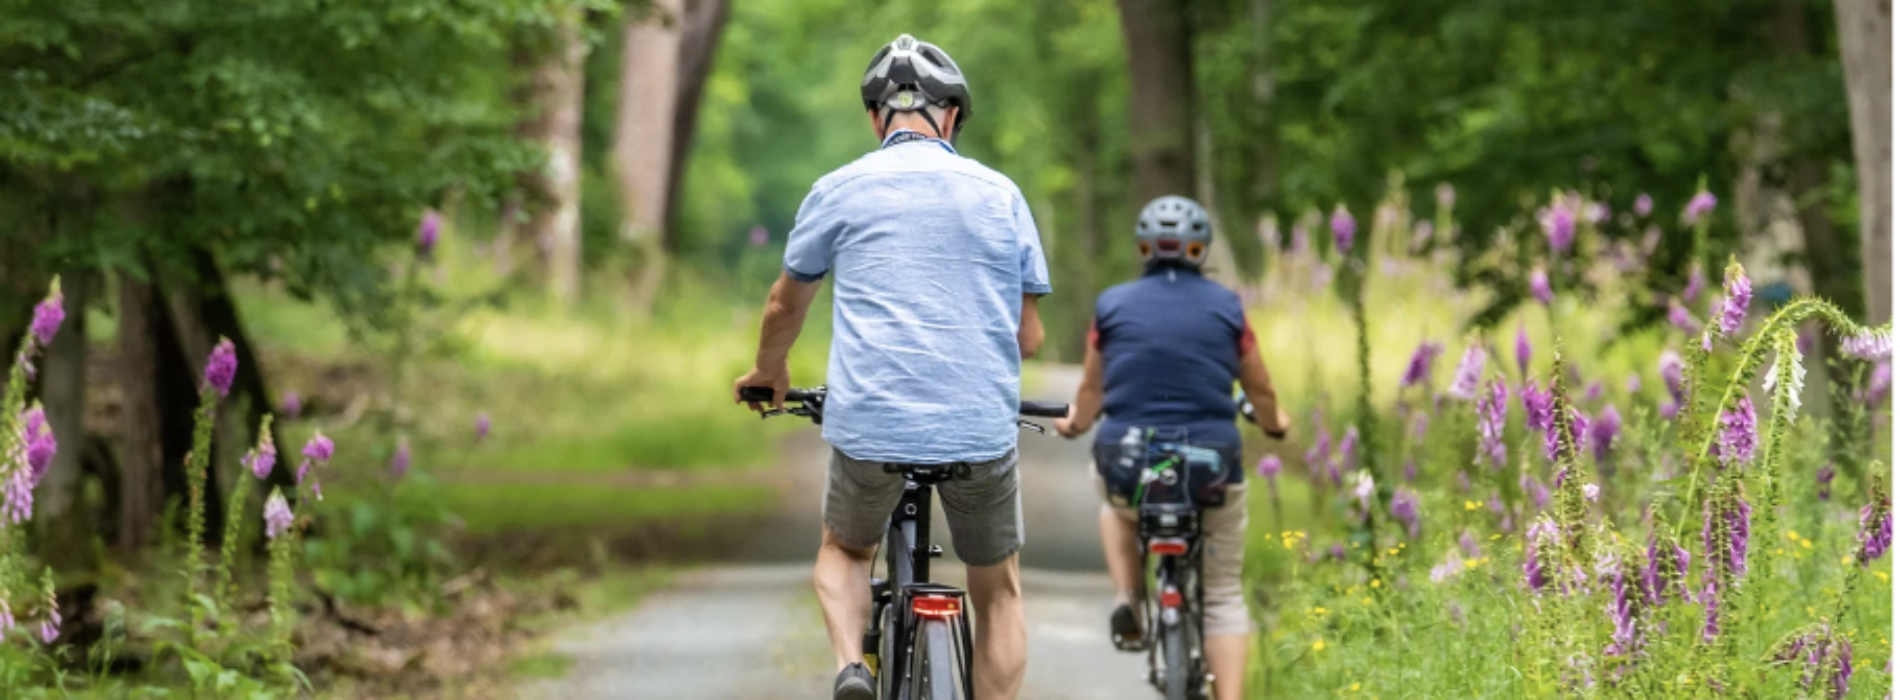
(854, 683)
(1124, 629)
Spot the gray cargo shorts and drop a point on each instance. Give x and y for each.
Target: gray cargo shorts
(984, 511)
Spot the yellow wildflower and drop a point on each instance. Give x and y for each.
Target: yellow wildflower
(1319, 644)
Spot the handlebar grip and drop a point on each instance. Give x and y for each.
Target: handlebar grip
(1044, 409)
(758, 394)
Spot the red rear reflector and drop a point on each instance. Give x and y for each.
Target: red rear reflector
(1168, 547)
(1170, 598)
(936, 607)
(1168, 245)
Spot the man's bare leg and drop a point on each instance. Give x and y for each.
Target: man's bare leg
(842, 577)
(1002, 639)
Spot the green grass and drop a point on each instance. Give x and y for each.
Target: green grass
(504, 507)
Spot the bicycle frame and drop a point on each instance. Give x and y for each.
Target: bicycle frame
(1170, 537)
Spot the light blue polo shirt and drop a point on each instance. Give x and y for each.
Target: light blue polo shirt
(930, 255)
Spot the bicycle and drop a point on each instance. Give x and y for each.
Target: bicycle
(930, 637)
(1168, 526)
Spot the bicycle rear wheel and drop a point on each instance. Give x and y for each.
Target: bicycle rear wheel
(1174, 683)
(936, 667)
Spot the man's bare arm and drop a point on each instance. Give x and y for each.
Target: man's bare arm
(784, 317)
(1029, 330)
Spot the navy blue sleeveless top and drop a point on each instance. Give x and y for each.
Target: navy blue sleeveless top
(1171, 344)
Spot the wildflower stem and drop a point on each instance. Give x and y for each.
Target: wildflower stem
(1753, 351)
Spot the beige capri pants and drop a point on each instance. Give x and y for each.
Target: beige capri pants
(1223, 538)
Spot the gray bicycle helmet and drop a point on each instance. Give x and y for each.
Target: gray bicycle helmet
(1174, 229)
(908, 75)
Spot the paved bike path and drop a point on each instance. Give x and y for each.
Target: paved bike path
(752, 629)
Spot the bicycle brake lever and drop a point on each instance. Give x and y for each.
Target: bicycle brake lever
(1026, 425)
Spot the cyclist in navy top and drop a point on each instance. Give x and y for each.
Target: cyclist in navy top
(1164, 352)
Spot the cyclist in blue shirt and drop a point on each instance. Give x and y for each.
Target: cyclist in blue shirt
(1164, 352)
(936, 270)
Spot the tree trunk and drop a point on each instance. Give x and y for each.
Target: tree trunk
(1161, 82)
(66, 528)
(643, 134)
(643, 137)
(555, 92)
(139, 423)
(705, 22)
(1866, 36)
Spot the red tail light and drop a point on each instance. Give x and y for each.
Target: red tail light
(1168, 547)
(936, 607)
(1170, 598)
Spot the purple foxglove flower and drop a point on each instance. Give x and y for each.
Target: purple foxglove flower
(1579, 427)
(47, 316)
(1540, 287)
(277, 517)
(1699, 206)
(399, 463)
(1651, 582)
(1737, 439)
(1669, 365)
(1405, 506)
(1410, 472)
(1634, 384)
(1682, 320)
(1712, 611)
(221, 367)
(1491, 407)
(1825, 478)
(1349, 448)
(1540, 496)
(1270, 467)
(1463, 482)
(1464, 382)
(1623, 638)
(1869, 344)
(49, 629)
(1469, 544)
(1738, 519)
(1538, 406)
(40, 445)
(482, 426)
(1876, 531)
(261, 459)
(1447, 195)
(1343, 228)
(18, 506)
(1419, 370)
(1560, 227)
(1698, 280)
(1362, 489)
(427, 232)
(319, 448)
(1523, 353)
(1735, 303)
(1590, 492)
(1318, 455)
(1643, 205)
(1421, 427)
(1879, 383)
(292, 405)
(758, 237)
(1593, 393)
(1541, 536)
(1843, 666)
(1603, 432)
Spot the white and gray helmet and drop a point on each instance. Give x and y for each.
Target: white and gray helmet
(1174, 228)
(908, 75)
